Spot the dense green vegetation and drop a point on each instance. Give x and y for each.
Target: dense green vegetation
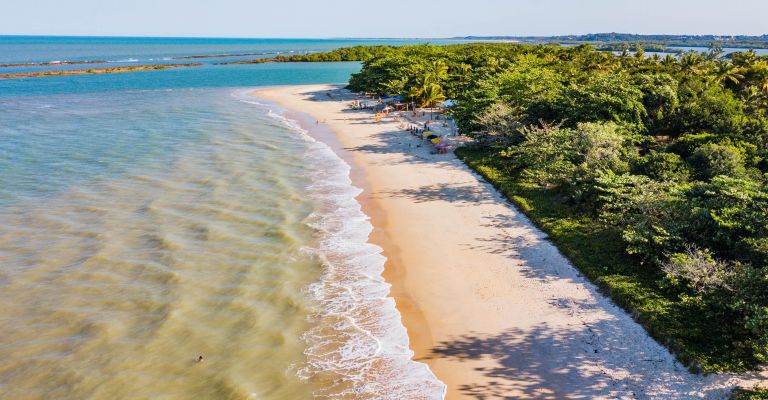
(648, 173)
(357, 53)
(90, 71)
(600, 39)
(634, 46)
(755, 394)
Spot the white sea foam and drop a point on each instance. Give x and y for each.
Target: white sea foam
(358, 347)
(127, 60)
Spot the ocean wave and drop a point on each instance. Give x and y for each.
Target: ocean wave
(358, 347)
(127, 60)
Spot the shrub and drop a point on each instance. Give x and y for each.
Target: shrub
(660, 100)
(648, 212)
(725, 212)
(713, 159)
(698, 268)
(749, 301)
(499, 124)
(750, 394)
(705, 106)
(663, 166)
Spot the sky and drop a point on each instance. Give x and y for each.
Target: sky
(383, 18)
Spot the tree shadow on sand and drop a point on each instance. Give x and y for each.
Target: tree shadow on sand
(333, 93)
(465, 194)
(590, 358)
(530, 364)
(534, 255)
(564, 362)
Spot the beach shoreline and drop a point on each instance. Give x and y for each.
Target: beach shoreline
(490, 305)
(394, 271)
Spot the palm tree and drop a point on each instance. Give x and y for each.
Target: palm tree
(504, 64)
(759, 74)
(394, 87)
(600, 61)
(745, 58)
(414, 93)
(753, 98)
(715, 51)
(727, 72)
(669, 61)
(463, 71)
(692, 62)
(492, 64)
(436, 72)
(763, 86)
(432, 95)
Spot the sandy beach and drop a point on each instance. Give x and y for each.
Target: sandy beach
(489, 303)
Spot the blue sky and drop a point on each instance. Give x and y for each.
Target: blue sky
(367, 18)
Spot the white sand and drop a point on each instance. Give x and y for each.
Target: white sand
(490, 305)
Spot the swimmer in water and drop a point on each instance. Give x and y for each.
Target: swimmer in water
(199, 359)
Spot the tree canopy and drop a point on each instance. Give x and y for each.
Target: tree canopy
(669, 152)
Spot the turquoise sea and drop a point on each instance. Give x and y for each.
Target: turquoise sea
(149, 218)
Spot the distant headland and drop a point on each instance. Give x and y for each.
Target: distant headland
(649, 42)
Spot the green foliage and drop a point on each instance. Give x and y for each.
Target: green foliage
(499, 125)
(664, 167)
(357, 53)
(749, 302)
(685, 145)
(432, 95)
(649, 174)
(604, 98)
(747, 394)
(569, 158)
(711, 160)
(647, 211)
(660, 99)
(709, 107)
(728, 215)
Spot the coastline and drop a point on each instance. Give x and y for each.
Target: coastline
(394, 271)
(489, 304)
(96, 71)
